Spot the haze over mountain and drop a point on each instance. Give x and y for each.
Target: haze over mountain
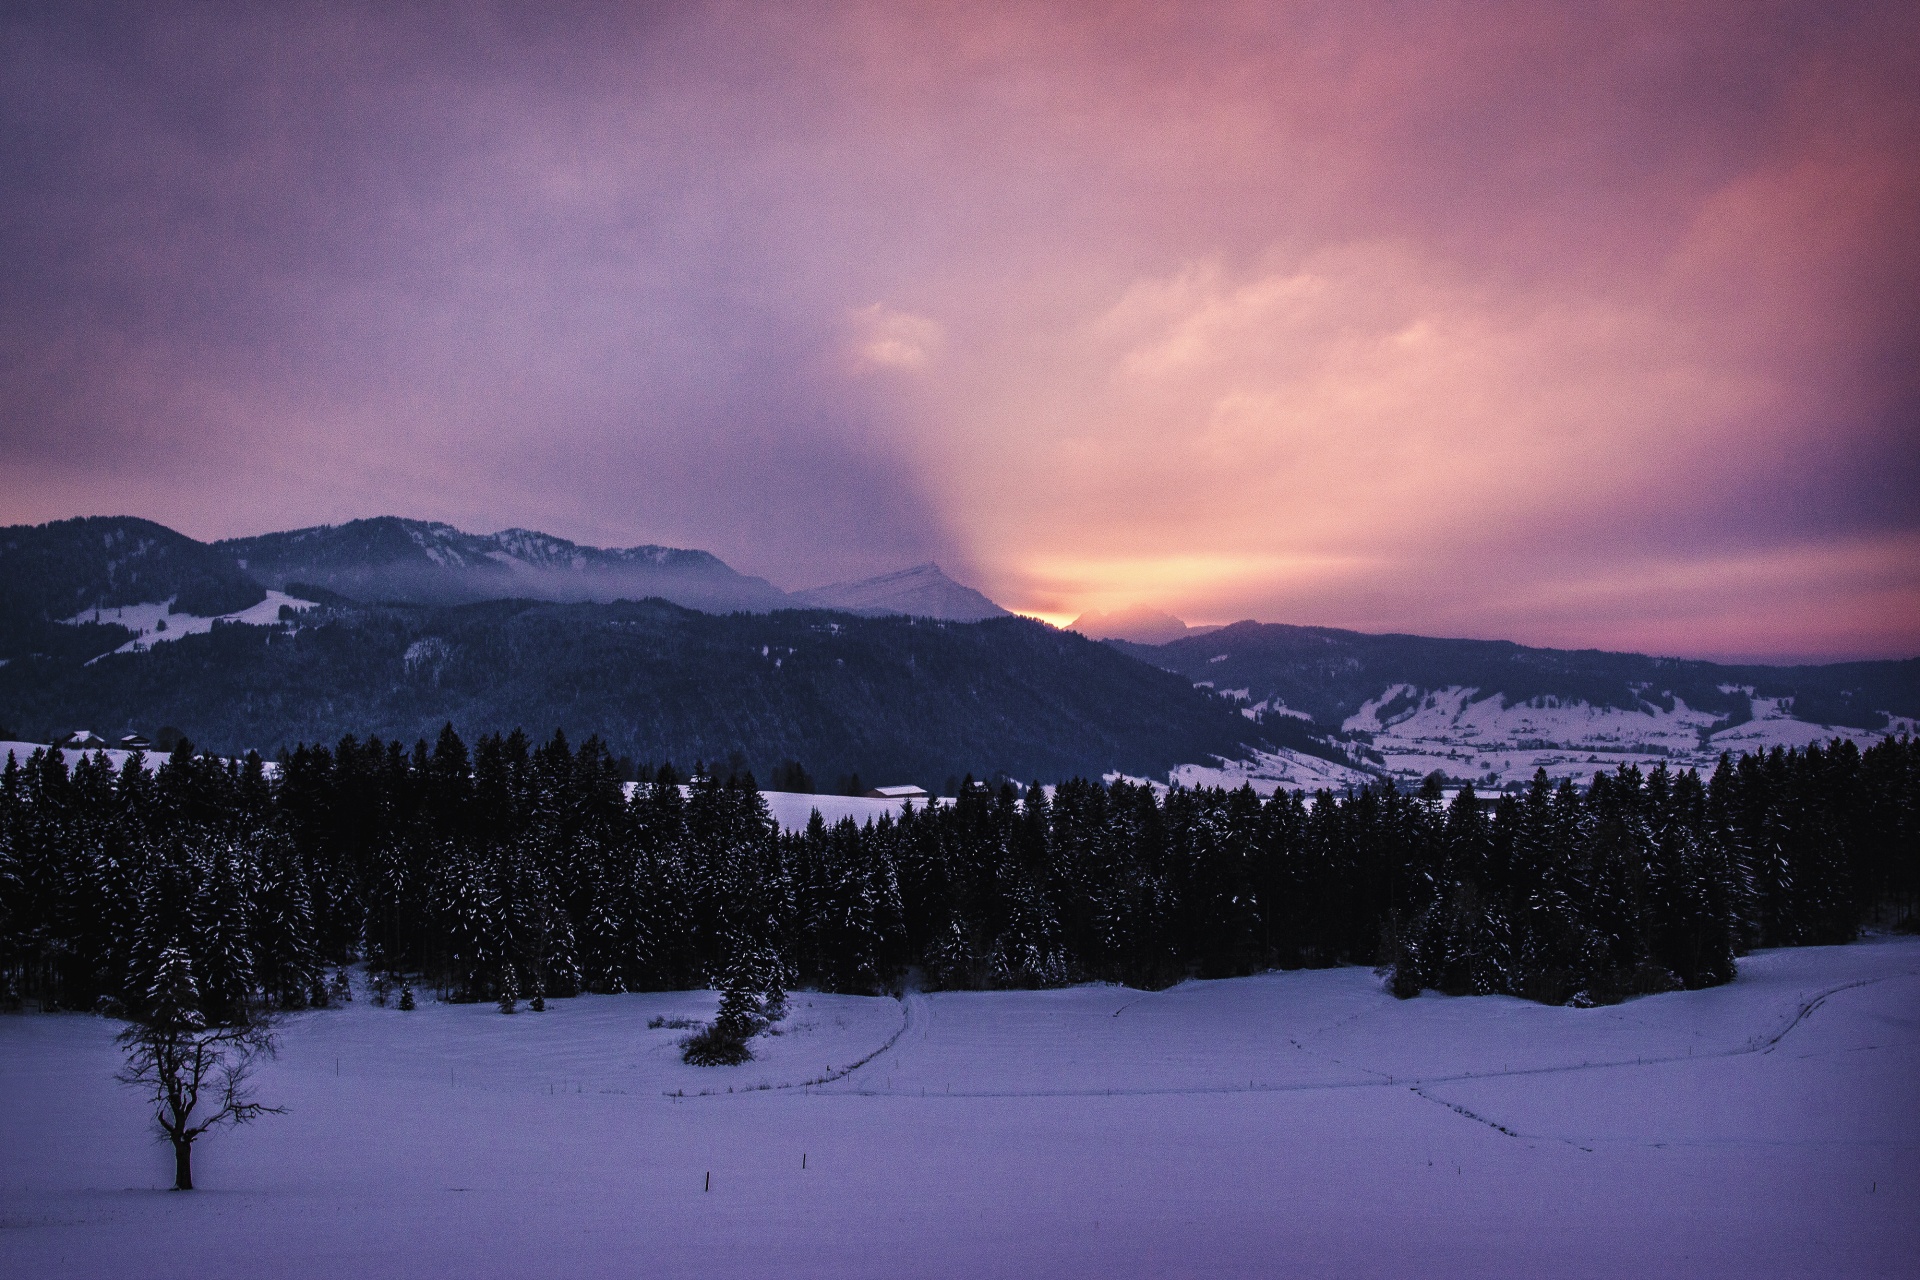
(420, 562)
(50, 572)
(1142, 624)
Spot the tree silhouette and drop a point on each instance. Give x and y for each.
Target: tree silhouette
(197, 1075)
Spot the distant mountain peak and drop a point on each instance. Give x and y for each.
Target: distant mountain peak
(1142, 624)
(924, 591)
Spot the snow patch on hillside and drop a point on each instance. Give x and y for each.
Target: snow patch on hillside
(1472, 736)
(155, 621)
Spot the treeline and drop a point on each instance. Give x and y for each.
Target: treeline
(517, 871)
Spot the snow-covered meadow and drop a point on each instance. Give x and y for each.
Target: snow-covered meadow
(1291, 1123)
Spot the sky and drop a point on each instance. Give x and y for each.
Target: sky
(1586, 325)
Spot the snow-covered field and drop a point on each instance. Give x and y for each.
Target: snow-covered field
(1269, 771)
(793, 810)
(1301, 1123)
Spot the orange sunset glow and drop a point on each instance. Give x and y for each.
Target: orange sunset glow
(1582, 326)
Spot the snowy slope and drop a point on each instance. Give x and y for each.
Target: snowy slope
(1471, 737)
(155, 622)
(1491, 712)
(1287, 1124)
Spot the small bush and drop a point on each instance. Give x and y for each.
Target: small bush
(713, 1047)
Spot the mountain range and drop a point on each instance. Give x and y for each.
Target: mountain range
(50, 572)
(394, 627)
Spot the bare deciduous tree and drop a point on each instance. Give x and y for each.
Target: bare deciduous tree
(197, 1075)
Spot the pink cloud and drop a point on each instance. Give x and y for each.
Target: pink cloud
(1585, 325)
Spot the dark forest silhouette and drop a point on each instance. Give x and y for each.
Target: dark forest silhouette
(520, 872)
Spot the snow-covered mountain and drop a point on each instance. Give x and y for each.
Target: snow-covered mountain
(923, 591)
(421, 562)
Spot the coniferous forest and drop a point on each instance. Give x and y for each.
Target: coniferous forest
(518, 872)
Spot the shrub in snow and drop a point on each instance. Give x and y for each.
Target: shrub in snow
(714, 1048)
(724, 1043)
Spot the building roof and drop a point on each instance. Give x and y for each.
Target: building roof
(898, 793)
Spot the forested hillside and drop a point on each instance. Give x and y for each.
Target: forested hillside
(52, 573)
(1329, 674)
(891, 699)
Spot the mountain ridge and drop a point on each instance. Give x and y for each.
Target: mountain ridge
(392, 559)
(921, 591)
(50, 572)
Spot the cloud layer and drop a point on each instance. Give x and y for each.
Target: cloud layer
(1583, 325)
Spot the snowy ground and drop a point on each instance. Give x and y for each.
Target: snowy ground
(1299, 1123)
(1270, 771)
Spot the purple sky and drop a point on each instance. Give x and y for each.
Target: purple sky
(1582, 325)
